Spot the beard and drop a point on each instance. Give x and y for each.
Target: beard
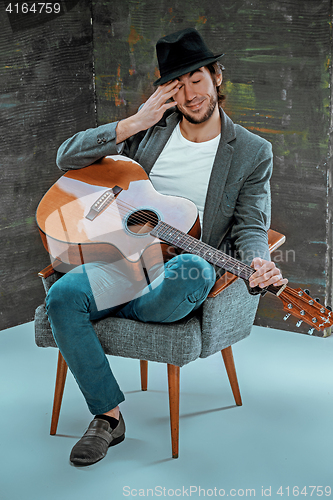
(192, 118)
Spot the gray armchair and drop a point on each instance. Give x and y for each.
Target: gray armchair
(216, 326)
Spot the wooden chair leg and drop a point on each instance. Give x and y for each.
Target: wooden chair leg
(173, 381)
(231, 371)
(144, 374)
(58, 392)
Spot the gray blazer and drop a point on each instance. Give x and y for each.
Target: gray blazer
(237, 209)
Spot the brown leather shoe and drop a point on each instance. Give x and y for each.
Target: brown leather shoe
(94, 444)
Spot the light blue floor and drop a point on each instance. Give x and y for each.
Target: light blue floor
(280, 438)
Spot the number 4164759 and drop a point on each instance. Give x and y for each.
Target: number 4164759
(311, 491)
(33, 8)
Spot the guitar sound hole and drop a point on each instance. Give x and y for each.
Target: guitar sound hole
(142, 221)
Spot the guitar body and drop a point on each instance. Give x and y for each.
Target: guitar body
(121, 230)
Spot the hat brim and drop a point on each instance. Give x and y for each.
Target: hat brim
(186, 69)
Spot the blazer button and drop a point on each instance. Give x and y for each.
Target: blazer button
(99, 141)
(104, 140)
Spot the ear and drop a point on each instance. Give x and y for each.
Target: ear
(219, 79)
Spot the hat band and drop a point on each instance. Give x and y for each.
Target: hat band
(189, 61)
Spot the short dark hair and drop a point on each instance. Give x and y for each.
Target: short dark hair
(216, 69)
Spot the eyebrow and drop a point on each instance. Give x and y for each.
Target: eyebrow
(192, 73)
(195, 71)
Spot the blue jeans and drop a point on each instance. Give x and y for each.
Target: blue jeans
(96, 290)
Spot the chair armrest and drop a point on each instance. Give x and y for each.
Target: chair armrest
(50, 274)
(45, 273)
(275, 240)
(222, 283)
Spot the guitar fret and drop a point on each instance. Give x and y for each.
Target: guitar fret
(237, 266)
(161, 231)
(211, 254)
(191, 243)
(188, 243)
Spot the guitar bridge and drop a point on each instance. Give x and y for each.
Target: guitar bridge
(103, 201)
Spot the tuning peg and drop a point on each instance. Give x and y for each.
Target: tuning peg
(298, 324)
(317, 300)
(307, 291)
(329, 308)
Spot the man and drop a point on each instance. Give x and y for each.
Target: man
(190, 148)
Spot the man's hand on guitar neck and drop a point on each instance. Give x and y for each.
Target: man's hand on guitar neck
(150, 113)
(266, 274)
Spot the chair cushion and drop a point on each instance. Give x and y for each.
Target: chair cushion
(175, 343)
(220, 322)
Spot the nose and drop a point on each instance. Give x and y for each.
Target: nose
(189, 92)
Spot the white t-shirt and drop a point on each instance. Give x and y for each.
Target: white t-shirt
(184, 167)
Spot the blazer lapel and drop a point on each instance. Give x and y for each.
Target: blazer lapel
(219, 175)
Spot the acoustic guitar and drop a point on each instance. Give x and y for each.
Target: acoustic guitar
(110, 212)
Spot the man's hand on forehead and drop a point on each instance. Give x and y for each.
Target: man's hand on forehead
(155, 107)
(150, 113)
(172, 86)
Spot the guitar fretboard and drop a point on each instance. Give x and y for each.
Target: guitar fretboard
(179, 239)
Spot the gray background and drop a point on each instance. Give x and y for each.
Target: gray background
(94, 63)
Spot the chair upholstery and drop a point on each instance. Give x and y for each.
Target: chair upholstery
(215, 327)
(221, 321)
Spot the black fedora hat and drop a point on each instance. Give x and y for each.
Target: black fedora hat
(182, 52)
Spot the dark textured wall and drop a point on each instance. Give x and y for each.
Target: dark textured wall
(277, 59)
(47, 94)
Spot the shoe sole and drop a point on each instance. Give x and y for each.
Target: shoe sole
(117, 440)
(83, 463)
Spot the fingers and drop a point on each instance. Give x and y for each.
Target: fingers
(162, 94)
(266, 274)
(167, 91)
(169, 85)
(154, 108)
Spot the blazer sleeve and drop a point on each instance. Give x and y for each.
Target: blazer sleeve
(253, 209)
(86, 147)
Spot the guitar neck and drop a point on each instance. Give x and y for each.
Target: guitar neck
(184, 241)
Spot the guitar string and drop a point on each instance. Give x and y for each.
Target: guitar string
(295, 295)
(215, 255)
(295, 302)
(234, 265)
(185, 239)
(316, 306)
(242, 269)
(239, 268)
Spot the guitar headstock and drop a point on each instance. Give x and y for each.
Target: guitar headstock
(302, 306)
